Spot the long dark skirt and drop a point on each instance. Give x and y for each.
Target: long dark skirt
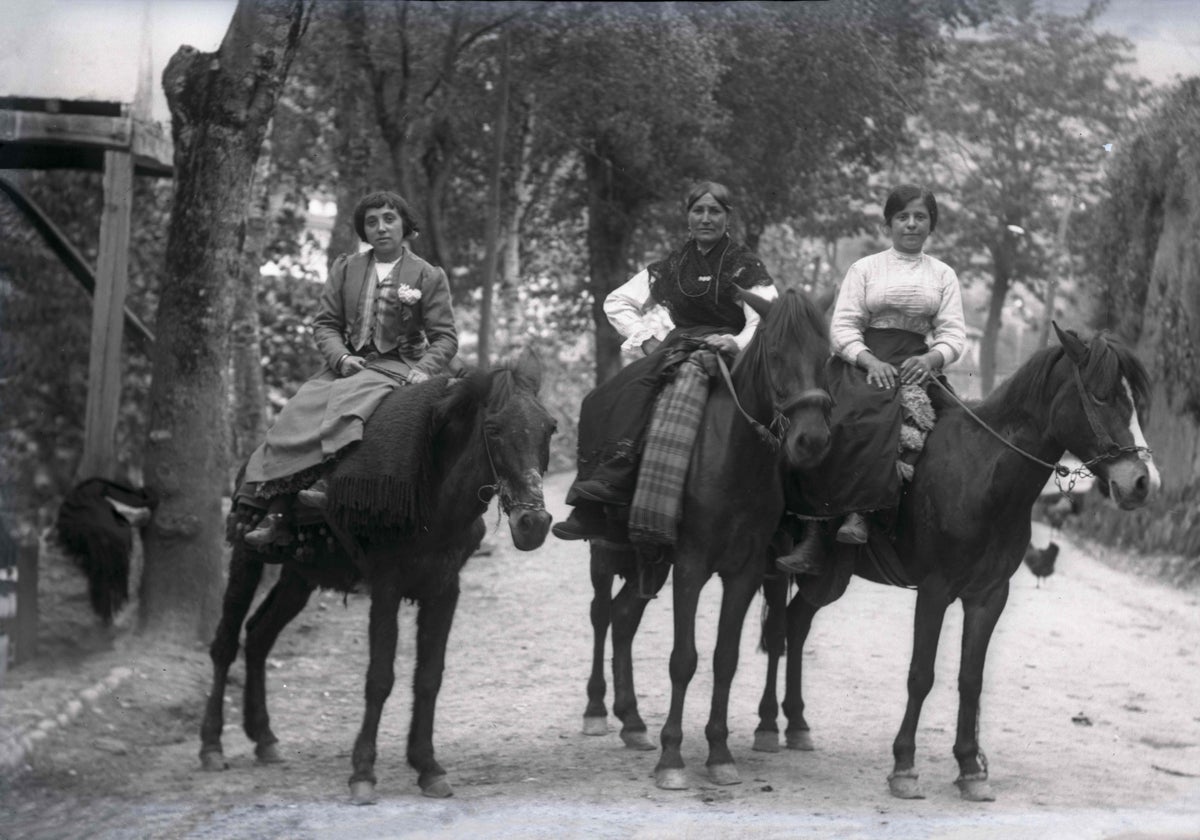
(614, 417)
(859, 474)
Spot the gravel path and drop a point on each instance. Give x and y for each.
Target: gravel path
(1090, 721)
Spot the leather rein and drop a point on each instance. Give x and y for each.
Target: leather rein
(773, 436)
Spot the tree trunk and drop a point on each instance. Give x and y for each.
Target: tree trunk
(1002, 261)
(220, 106)
(493, 219)
(611, 221)
(354, 140)
(249, 393)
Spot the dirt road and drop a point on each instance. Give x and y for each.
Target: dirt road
(1091, 723)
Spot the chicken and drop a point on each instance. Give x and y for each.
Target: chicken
(1056, 512)
(1041, 560)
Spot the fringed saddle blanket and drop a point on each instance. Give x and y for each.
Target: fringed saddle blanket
(381, 488)
(654, 513)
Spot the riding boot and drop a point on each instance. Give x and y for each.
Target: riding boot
(274, 528)
(854, 530)
(808, 557)
(587, 521)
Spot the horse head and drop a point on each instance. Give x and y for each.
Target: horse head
(516, 435)
(1096, 417)
(788, 356)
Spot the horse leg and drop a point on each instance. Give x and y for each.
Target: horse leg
(979, 620)
(735, 600)
(774, 644)
(627, 612)
(283, 603)
(381, 676)
(595, 716)
(245, 572)
(669, 774)
(927, 627)
(800, 614)
(434, 617)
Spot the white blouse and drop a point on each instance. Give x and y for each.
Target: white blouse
(637, 316)
(894, 290)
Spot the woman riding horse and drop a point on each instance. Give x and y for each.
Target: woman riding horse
(699, 285)
(898, 321)
(385, 320)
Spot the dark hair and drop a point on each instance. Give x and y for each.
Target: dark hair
(718, 191)
(383, 198)
(902, 195)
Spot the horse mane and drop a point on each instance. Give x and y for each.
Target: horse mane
(792, 319)
(488, 389)
(1108, 360)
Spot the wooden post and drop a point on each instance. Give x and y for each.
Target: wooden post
(25, 637)
(104, 367)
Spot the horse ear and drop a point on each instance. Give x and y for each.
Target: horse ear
(1071, 343)
(528, 371)
(762, 307)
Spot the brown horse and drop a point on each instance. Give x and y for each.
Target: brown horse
(490, 435)
(964, 525)
(733, 500)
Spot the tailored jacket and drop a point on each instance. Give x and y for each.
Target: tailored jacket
(422, 334)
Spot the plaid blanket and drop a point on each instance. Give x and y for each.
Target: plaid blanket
(654, 514)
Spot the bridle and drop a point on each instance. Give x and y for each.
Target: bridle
(772, 436)
(501, 487)
(1110, 450)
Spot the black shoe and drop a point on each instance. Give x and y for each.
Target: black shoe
(272, 530)
(808, 557)
(599, 492)
(582, 524)
(314, 497)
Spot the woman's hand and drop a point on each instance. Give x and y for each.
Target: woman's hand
(650, 345)
(352, 365)
(917, 370)
(417, 376)
(880, 374)
(722, 343)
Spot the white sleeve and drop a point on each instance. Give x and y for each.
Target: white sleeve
(752, 319)
(850, 316)
(631, 310)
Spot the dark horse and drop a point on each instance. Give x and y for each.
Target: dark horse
(733, 501)
(964, 525)
(490, 435)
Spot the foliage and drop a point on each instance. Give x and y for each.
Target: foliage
(1014, 124)
(45, 334)
(1154, 175)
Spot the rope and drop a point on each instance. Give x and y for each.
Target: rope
(763, 432)
(1061, 471)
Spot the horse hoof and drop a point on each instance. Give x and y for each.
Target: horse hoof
(724, 774)
(213, 760)
(671, 778)
(801, 739)
(904, 784)
(637, 741)
(766, 742)
(595, 726)
(975, 788)
(363, 793)
(268, 754)
(438, 788)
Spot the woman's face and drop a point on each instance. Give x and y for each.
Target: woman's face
(385, 232)
(910, 227)
(707, 220)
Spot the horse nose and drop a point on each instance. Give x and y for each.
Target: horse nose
(529, 528)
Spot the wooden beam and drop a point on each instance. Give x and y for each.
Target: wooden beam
(104, 361)
(72, 259)
(65, 129)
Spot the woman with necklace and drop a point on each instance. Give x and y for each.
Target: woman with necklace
(698, 285)
(898, 321)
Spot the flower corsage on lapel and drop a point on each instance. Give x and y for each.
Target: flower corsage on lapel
(407, 297)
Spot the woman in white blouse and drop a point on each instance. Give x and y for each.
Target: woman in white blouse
(898, 321)
(698, 287)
